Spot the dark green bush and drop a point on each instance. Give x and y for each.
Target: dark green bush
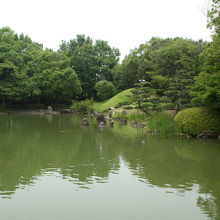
(194, 121)
(104, 89)
(83, 106)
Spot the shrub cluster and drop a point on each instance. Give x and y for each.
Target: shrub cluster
(104, 89)
(82, 107)
(194, 121)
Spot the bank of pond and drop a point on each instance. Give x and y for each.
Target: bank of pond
(191, 122)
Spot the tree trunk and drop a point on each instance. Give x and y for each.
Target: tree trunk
(139, 106)
(178, 107)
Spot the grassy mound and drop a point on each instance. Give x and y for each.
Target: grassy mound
(194, 121)
(120, 99)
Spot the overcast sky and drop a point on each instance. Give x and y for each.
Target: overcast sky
(125, 24)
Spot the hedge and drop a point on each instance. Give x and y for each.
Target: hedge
(194, 121)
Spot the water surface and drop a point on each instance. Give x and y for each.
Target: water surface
(52, 169)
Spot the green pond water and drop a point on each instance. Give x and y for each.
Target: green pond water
(52, 169)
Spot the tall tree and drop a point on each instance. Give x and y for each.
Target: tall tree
(92, 62)
(21, 52)
(31, 74)
(55, 79)
(206, 91)
(166, 68)
(126, 74)
(8, 81)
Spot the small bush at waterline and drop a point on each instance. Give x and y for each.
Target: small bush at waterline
(82, 107)
(162, 123)
(194, 121)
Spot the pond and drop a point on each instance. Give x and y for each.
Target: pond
(52, 169)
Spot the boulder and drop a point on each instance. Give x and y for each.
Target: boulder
(208, 134)
(124, 112)
(101, 124)
(111, 124)
(109, 113)
(91, 112)
(100, 118)
(133, 123)
(141, 125)
(123, 122)
(84, 122)
(49, 110)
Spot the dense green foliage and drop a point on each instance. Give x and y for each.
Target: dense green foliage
(174, 73)
(83, 106)
(126, 74)
(91, 61)
(163, 71)
(214, 17)
(56, 80)
(104, 89)
(164, 74)
(206, 91)
(194, 121)
(29, 74)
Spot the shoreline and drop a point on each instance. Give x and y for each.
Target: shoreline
(36, 112)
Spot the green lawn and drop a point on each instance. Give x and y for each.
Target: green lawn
(125, 96)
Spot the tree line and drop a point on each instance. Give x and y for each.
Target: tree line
(166, 73)
(30, 74)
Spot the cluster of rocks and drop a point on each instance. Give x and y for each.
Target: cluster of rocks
(84, 122)
(101, 120)
(209, 134)
(123, 122)
(138, 124)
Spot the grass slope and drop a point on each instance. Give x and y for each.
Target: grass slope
(125, 96)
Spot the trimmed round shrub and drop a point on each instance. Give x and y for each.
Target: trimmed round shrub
(194, 121)
(104, 89)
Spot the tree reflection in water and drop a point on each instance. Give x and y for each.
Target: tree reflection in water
(31, 146)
